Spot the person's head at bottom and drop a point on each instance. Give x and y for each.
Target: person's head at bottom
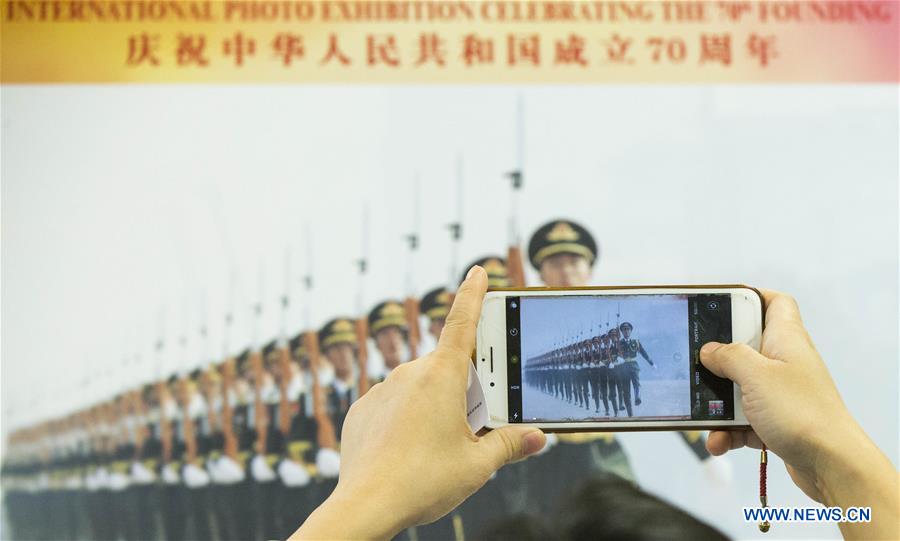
(605, 507)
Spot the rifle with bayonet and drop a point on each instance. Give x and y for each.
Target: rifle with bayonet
(326, 438)
(260, 412)
(284, 354)
(514, 261)
(362, 322)
(411, 304)
(325, 434)
(229, 437)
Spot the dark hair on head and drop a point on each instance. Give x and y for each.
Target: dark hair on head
(604, 508)
(517, 527)
(609, 507)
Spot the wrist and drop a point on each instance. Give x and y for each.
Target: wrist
(848, 458)
(349, 514)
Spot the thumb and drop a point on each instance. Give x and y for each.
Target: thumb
(737, 362)
(512, 443)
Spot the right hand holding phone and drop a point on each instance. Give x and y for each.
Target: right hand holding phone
(788, 395)
(795, 409)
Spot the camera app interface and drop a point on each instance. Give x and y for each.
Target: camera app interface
(615, 358)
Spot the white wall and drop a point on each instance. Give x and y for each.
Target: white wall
(110, 198)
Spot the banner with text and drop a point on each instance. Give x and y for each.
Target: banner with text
(302, 41)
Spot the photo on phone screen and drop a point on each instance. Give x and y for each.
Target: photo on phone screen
(616, 358)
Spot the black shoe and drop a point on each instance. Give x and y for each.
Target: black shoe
(637, 401)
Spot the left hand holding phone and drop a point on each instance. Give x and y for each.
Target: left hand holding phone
(408, 455)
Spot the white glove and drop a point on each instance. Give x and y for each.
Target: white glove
(261, 470)
(141, 475)
(73, 482)
(212, 468)
(170, 476)
(117, 481)
(101, 478)
(328, 462)
(90, 482)
(228, 471)
(293, 474)
(195, 476)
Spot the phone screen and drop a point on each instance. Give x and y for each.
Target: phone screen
(607, 358)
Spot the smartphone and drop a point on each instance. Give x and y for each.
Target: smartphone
(612, 359)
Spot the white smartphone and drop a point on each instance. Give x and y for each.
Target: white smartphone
(612, 359)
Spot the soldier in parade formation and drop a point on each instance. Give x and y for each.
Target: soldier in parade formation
(592, 370)
(247, 447)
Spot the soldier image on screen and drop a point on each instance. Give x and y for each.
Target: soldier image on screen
(584, 374)
(608, 384)
(574, 370)
(577, 373)
(597, 378)
(572, 375)
(630, 374)
(615, 365)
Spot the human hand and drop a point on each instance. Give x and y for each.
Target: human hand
(408, 455)
(795, 409)
(788, 395)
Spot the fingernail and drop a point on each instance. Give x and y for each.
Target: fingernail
(533, 442)
(709, 348)
(472, 271)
